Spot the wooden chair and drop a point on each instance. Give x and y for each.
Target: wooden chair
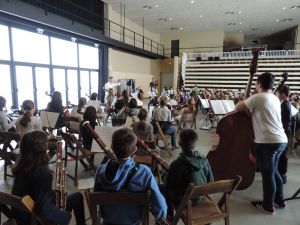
(116, 122)
(25, 204)
(10, 150)
(143, 157)
(166, 139)
(206, 210)
(188, 118)
(101, 198)
(74, 149)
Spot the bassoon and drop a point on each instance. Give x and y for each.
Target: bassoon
(60, 179)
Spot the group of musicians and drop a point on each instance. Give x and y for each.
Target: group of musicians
(271, 120)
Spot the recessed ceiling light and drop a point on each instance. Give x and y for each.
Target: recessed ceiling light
(170, 18)
(239, 12)
(277, 20)
(180, 28)
(229, 13)
(73, 39)
(240, 23)
(39, 30)
(156, 6)
(284, 8)
(192, 2)
(147, 7)
(201, 16)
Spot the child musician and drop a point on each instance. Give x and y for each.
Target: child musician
(124, 173)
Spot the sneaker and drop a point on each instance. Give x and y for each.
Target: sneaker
(259, 205)
(280, 205)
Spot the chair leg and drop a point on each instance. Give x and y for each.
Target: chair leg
(5, 170)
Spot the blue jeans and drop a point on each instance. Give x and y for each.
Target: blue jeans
(171, 131)
(267, 156)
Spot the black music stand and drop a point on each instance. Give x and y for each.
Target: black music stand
(294, 196)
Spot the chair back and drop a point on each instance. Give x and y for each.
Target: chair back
(101, 198)
(8, 138)
(206, 210)
(24, 203)
(72, 124)
(117, 122)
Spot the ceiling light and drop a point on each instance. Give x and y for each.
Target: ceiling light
(229, 13)
(73, 39)
(180, 28)
(162, 20)
(239, 12)
(284, 8)
(192, 2)
(147, 7)
(277, 21)
(240, 23)
(201, 16)
(156, 6)
(39, 30)
(96, 45)
(170, 18)
(295, 7)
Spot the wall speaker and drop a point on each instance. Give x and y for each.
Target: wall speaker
(174, 48)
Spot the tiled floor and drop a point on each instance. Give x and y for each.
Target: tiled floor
(241, 212)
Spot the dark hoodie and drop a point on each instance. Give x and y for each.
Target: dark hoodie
(189, 167)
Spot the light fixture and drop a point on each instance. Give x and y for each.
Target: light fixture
(162, 19)
(284, 8)
(96, 45)
(180, 28)
(239, 12)
(147, 7)
(73, 39)
(295, 7)
(229, 13)
(170, 18)
(277, 20)
(39, 30)
(192, 2)
(240, 23)
(156, 6)
(201, 16)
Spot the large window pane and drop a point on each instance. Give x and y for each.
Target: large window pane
(4, 43)
(24, 83)
(64, 53)
(30, 47)
(5, 89)
(94, 81)
(88, 57)
(60, 83)
(84, 83)
(42, 85)
(72, 86)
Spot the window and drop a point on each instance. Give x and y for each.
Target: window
(60, 83)
(4, 43)
(94, 81)
(42, 85)
(5, 90)
(72, 86)
(30, 47)
(64, 53)
(24, 83)
(88, 57)
(84, 83)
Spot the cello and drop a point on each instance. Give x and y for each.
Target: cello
(233, 154)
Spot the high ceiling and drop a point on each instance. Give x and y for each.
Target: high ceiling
(255, 18)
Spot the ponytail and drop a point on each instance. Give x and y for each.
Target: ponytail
(26, 119)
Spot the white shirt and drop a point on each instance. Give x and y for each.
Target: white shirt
(172, 102)
(110, 85)
(162, 114)
(266, 118)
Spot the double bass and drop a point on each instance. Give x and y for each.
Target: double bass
(233, 154)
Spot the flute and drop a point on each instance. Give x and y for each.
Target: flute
(102, 145)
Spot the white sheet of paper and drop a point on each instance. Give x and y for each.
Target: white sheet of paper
(87, 183)
(228, 105)
(105, 133)
(49, 119)
(204, 103)
(294, 110)
(217, 107)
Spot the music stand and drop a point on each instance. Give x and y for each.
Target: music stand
(206, 123)
(294, 196)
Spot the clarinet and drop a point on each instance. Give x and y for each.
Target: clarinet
(102, 145)
(60, 179)
(154, 154)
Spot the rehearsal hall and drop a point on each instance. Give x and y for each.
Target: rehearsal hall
(149, 112)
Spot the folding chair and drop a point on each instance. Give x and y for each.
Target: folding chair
(74, 149)
(102, 198)
(25, 204)
(72, 124)
(159, 135)
(206, 210)
(188, 118)
(10, 150)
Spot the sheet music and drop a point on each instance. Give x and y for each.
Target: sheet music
(95, 104)
(217, 107)
(228, 105)
(149, 116)
(205, 103)
(49, 119)
(87, 183)
(294, 110)
(128, 122)
(105, 134)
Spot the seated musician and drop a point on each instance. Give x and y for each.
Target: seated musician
(77, 111)
(121, 102)
(189, 167)
(4, 125)
(87, 139)
(142, 129)
(131, 110)
(34, 178)
(124, 174)
(188, 108)
(163, 116)
(55, 105)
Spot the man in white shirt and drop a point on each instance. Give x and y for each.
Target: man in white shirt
(109, 85)
(270, 141)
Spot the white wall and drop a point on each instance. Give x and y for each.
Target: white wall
(127, 66)
(210, 41)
